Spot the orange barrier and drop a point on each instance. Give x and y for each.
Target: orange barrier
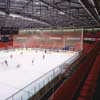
(6, 44)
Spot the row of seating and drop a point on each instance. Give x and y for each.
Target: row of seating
(89, 87)
(90, 35)
(68, 89)
(87, 48)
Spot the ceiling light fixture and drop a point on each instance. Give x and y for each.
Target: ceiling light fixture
(61, 13)
(37, 3)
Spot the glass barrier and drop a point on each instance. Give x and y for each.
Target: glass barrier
(56, 40)
(32, 88)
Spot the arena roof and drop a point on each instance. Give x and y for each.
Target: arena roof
(49, 13)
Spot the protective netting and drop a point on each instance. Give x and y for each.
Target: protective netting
(61, 40)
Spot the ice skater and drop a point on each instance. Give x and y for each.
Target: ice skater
(32, 61)
(6, 62)
(45, 51)
(43, 56)
(18, 66)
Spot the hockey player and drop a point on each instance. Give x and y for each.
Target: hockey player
(18, 66)
(32, 61)
(43, 56)
(6, 62)
(45, 51)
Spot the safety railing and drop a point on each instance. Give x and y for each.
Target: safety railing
(32, 88)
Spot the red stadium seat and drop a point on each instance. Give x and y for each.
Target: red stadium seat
(90, 84)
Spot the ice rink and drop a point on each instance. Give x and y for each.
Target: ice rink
(21, 67)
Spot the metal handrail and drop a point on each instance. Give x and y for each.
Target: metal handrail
(36, 80)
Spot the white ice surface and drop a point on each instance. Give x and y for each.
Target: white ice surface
(13, 79)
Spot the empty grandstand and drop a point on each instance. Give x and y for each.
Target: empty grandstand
(49, 49)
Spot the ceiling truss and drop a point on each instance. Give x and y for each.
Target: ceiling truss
(48, 13)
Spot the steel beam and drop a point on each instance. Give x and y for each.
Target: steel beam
(30, 16)
(90, 10)
(57, 8)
